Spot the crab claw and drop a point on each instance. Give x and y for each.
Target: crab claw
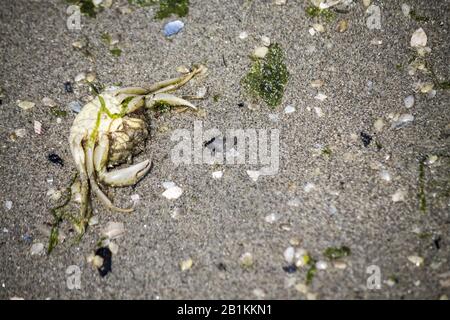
(126, 176)
(120, 177)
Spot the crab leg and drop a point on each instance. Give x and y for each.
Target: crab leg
(121, 177)
(169, 99)
(94, 186)
(81, 166)
(172, 84)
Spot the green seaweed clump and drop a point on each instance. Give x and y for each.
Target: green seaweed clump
(268, 77)
(312, 270)
(113, 49)
(417, 17)
(116, 52)
(166, 7)
(315, 12)
(169, 7)
(333, 253)
(87, 7)
(143, 3)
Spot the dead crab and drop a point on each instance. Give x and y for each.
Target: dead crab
(105, 134)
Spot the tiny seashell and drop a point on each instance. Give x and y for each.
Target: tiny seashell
(217, 174)
(312, 31)
(342, 26)
(402, 121)
(254, 175)
(317, 83)
(399, 195)
(37, 248)
(90, 77)
(260, 52)
(25, 105)
(186, 264)
(75, 106)
(318, 27)
(246, 260)
(173, 27)
(409, 101)
(271, 218)
(265, 41)
(385, 175)
(47, 102)
(80, 77)
(309, 187)
(432, 159)
(418, 261)
(243, 35)
(426, 87)
(113, 247)
(183, 69)
(173, 193)
(289, 254)
(37, 127)
(93, 220)
(21, 133)
(8, 204)
(54, 195)
(318, 111)
(321, 265)
(135, 199)
(79, 44)
(406, 9)
(289, 109)
(378, 125)
(419, 38)
(113, 230)
(320, 96)
(168, 184)
(201, 92)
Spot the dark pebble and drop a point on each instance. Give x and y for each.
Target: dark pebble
(106, 254)
(240, 104)
(437, 243)
(290, 269)
(68, 87)
(366, 139)
(54, 158)
(221, 266)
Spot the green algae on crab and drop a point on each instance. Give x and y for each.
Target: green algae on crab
(268, 77)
